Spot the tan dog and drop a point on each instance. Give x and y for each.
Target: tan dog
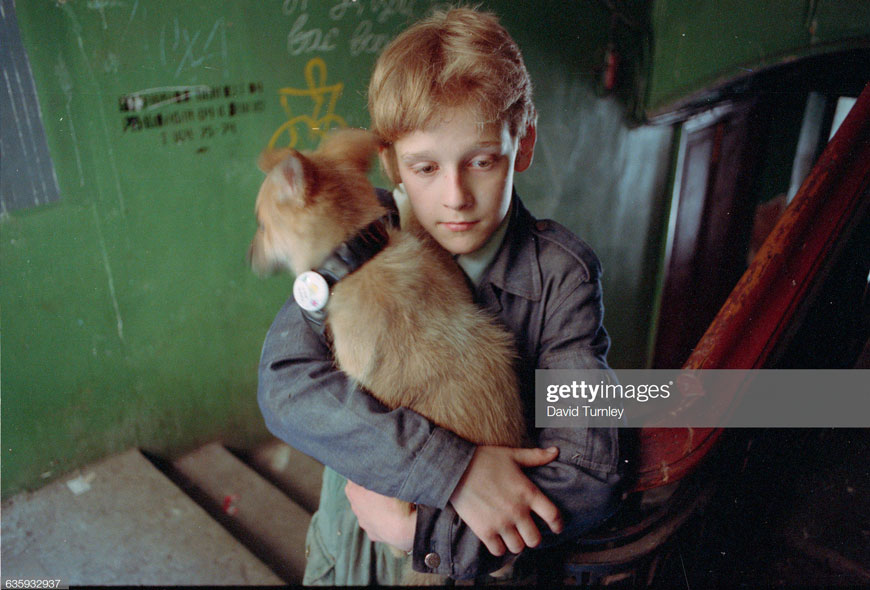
(404, 325)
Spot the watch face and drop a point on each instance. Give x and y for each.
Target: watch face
(311, 291)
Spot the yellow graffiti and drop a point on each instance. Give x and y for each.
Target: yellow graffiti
(316, 124)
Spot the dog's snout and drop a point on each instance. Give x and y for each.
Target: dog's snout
(258, 261)
(255, 257)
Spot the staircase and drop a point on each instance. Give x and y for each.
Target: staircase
(210, 517)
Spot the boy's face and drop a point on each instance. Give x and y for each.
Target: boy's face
(459, 177)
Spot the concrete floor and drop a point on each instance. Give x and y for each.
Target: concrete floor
(206, 519)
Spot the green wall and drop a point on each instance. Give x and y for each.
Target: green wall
(129, 317)
(698, 44)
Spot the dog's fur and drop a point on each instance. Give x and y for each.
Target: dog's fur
(404, 325)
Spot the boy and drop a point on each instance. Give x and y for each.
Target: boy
(450, 98)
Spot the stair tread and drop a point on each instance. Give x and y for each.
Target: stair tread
(120, 521)
(295, 473)
(260, 515)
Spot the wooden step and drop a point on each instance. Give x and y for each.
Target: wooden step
(256, 512)
(121, 522)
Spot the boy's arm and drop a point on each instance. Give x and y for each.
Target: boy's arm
(315, 408)
(582, 482)
(585, 499)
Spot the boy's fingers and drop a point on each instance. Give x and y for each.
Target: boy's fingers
(513, 541)
(540, 504)
(543, 507)
(529, 532)
(495, 545)
(497, 500)
(534, 457)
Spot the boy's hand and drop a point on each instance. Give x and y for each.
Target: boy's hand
(496, 499)
(384, 519)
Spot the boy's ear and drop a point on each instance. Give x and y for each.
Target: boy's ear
(387, 156)
(526, 150)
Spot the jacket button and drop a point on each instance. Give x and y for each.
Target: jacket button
(432, 560)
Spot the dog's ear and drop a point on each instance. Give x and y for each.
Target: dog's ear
(354, 146)
(295, 178)
(271, 157)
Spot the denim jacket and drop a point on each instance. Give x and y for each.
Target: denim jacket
(543, 285)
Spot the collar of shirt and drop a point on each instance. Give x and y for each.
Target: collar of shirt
(516, 268)
(474, 264)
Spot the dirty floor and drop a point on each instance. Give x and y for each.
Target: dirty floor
(796, 512)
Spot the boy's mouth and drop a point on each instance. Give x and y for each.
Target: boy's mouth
(459, 226)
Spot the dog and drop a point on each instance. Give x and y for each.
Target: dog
(403, 325)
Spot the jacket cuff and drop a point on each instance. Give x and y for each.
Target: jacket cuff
(446, 546)
(437, 469)
(432, 553)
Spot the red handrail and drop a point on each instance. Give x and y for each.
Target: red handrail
(763, 305)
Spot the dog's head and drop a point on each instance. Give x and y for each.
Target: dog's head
(311, 202)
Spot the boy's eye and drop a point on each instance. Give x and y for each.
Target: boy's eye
(482, 163)
(424, 169)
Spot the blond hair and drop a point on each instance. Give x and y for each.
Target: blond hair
(461, 58)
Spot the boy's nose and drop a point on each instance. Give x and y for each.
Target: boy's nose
(457, 194)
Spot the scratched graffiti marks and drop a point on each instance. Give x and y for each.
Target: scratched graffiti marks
(190, 51)
(186, 54)
(181, 49)
(305, 38)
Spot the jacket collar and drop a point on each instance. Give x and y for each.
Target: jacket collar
(515, 268)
